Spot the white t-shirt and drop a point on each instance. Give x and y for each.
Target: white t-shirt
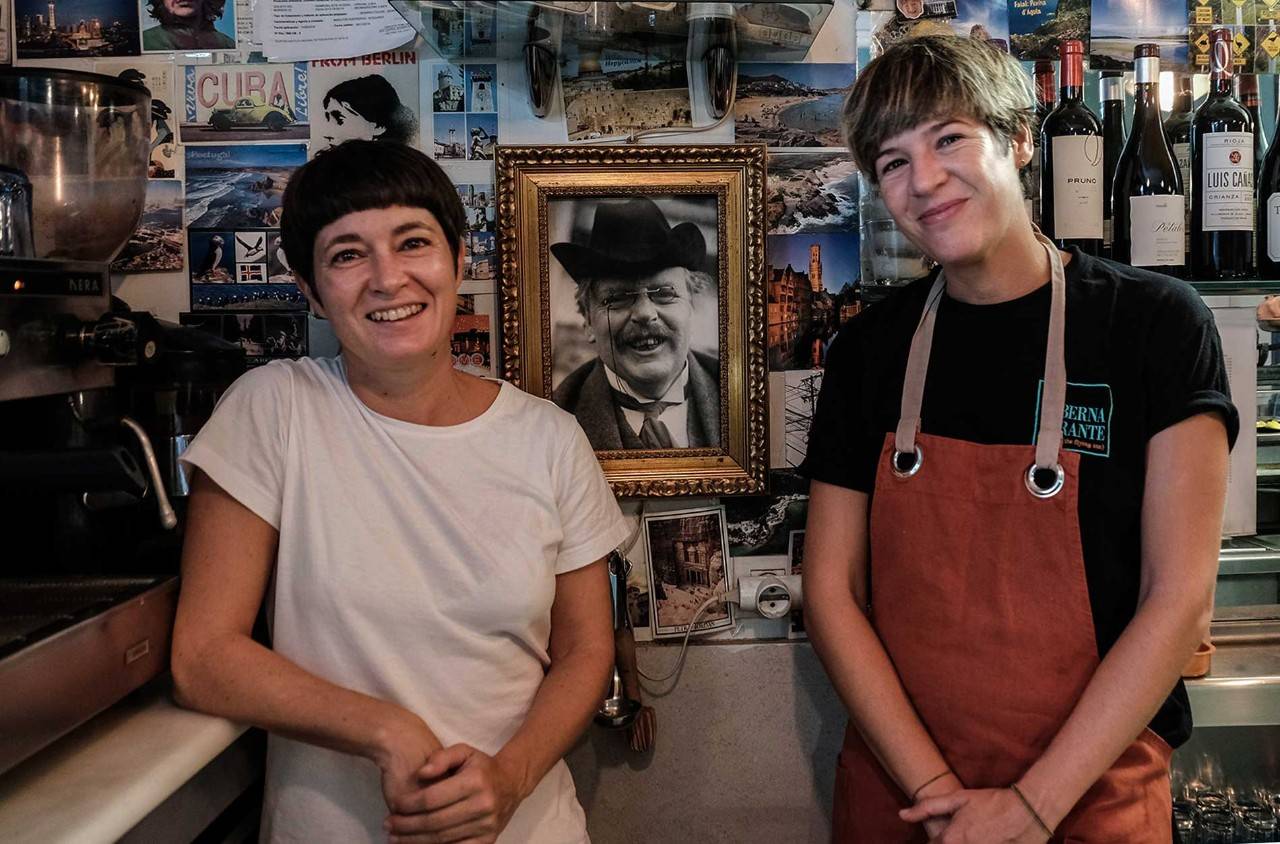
(416, 564)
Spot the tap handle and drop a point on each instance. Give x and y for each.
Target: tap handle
(168, 519)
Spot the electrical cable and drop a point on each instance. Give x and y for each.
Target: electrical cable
(684, 645)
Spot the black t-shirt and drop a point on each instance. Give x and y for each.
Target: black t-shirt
(1142, 354)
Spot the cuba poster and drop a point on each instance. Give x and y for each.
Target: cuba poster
(248, 102)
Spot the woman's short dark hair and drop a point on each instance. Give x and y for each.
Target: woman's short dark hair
(360, 175)
(212, 11)
(931, 77)
(375, 99)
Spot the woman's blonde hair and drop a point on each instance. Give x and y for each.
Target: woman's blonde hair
(933, 77)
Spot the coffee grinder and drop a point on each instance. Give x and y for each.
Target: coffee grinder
(89, 561)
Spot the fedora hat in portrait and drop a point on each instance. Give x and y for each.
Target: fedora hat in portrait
(631, 238)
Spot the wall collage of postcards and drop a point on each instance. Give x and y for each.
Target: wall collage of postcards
(230, 127)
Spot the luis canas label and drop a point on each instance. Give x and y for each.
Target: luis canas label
(1077, 187)
(1227, 182)
(1156, 226)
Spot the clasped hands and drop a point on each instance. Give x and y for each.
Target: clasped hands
(443, 795)
(953, 814)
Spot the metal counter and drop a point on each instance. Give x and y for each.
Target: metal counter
(1243, 686)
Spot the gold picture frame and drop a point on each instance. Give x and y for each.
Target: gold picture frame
(566, 338)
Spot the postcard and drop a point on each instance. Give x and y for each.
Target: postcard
(624, 93)
(688, 565)
(479, 204)
(6, 14)
(372, 97)
(480, 263)
(464, 104)
(761, 524)
(157, 77)
(479, 33)
(812, 192)
(470, 348)
(188, 25)
(1117, 26)
(156, 244)
(264, 337)
(791, 105)
(482, 129)
(812, 281)
(245, 102)
(1036, 27)
(449, 137)
(801, 389)
(239, 186)
(446, 81)
(83, 29)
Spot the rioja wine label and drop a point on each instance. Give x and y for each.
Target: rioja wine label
(1227, 182)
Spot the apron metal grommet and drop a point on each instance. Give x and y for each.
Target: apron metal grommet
(915, 464)
(1053, 489)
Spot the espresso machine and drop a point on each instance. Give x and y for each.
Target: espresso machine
(88, 540)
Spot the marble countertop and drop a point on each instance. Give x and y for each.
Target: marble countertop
(98, 782)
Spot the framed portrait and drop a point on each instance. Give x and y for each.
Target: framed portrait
(633, 296)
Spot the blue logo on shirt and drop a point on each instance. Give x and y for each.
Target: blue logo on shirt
(1086, 419)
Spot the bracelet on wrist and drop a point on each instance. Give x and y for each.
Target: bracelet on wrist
(928, 783)
(1031, 810)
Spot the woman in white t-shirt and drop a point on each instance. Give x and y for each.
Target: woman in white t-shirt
(430, 545)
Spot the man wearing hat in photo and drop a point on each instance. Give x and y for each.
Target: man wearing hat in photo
(637, 280)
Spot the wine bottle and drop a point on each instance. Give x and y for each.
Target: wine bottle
(1149, 211)
(1071, 181)
(1178, 129)
(1045, 93)
(1269, 211)
(1247, 93)
(1222, 166)
(1111, 94)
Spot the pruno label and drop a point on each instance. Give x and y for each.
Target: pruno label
(1077, 187)
(1227, 182)
(1156, 231)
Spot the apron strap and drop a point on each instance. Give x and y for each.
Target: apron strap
(917, 368)
(1053, 399)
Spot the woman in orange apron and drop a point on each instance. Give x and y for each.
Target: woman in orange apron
(1018, 474)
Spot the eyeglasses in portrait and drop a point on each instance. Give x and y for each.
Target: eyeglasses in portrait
(630, 300)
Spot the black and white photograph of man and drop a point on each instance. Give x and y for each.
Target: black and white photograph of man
(635, 319)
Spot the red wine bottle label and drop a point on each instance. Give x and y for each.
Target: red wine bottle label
(1227, 182)
(1182, 152)
(1272, 210)
(1077, 187)
(1156, 226)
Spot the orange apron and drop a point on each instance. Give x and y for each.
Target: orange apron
(978, 593)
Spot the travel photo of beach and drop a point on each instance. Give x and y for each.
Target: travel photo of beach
(811, 192)
(1117, 26)
(239, 186)
(791, 105)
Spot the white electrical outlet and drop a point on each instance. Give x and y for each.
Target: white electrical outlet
(770, 595)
